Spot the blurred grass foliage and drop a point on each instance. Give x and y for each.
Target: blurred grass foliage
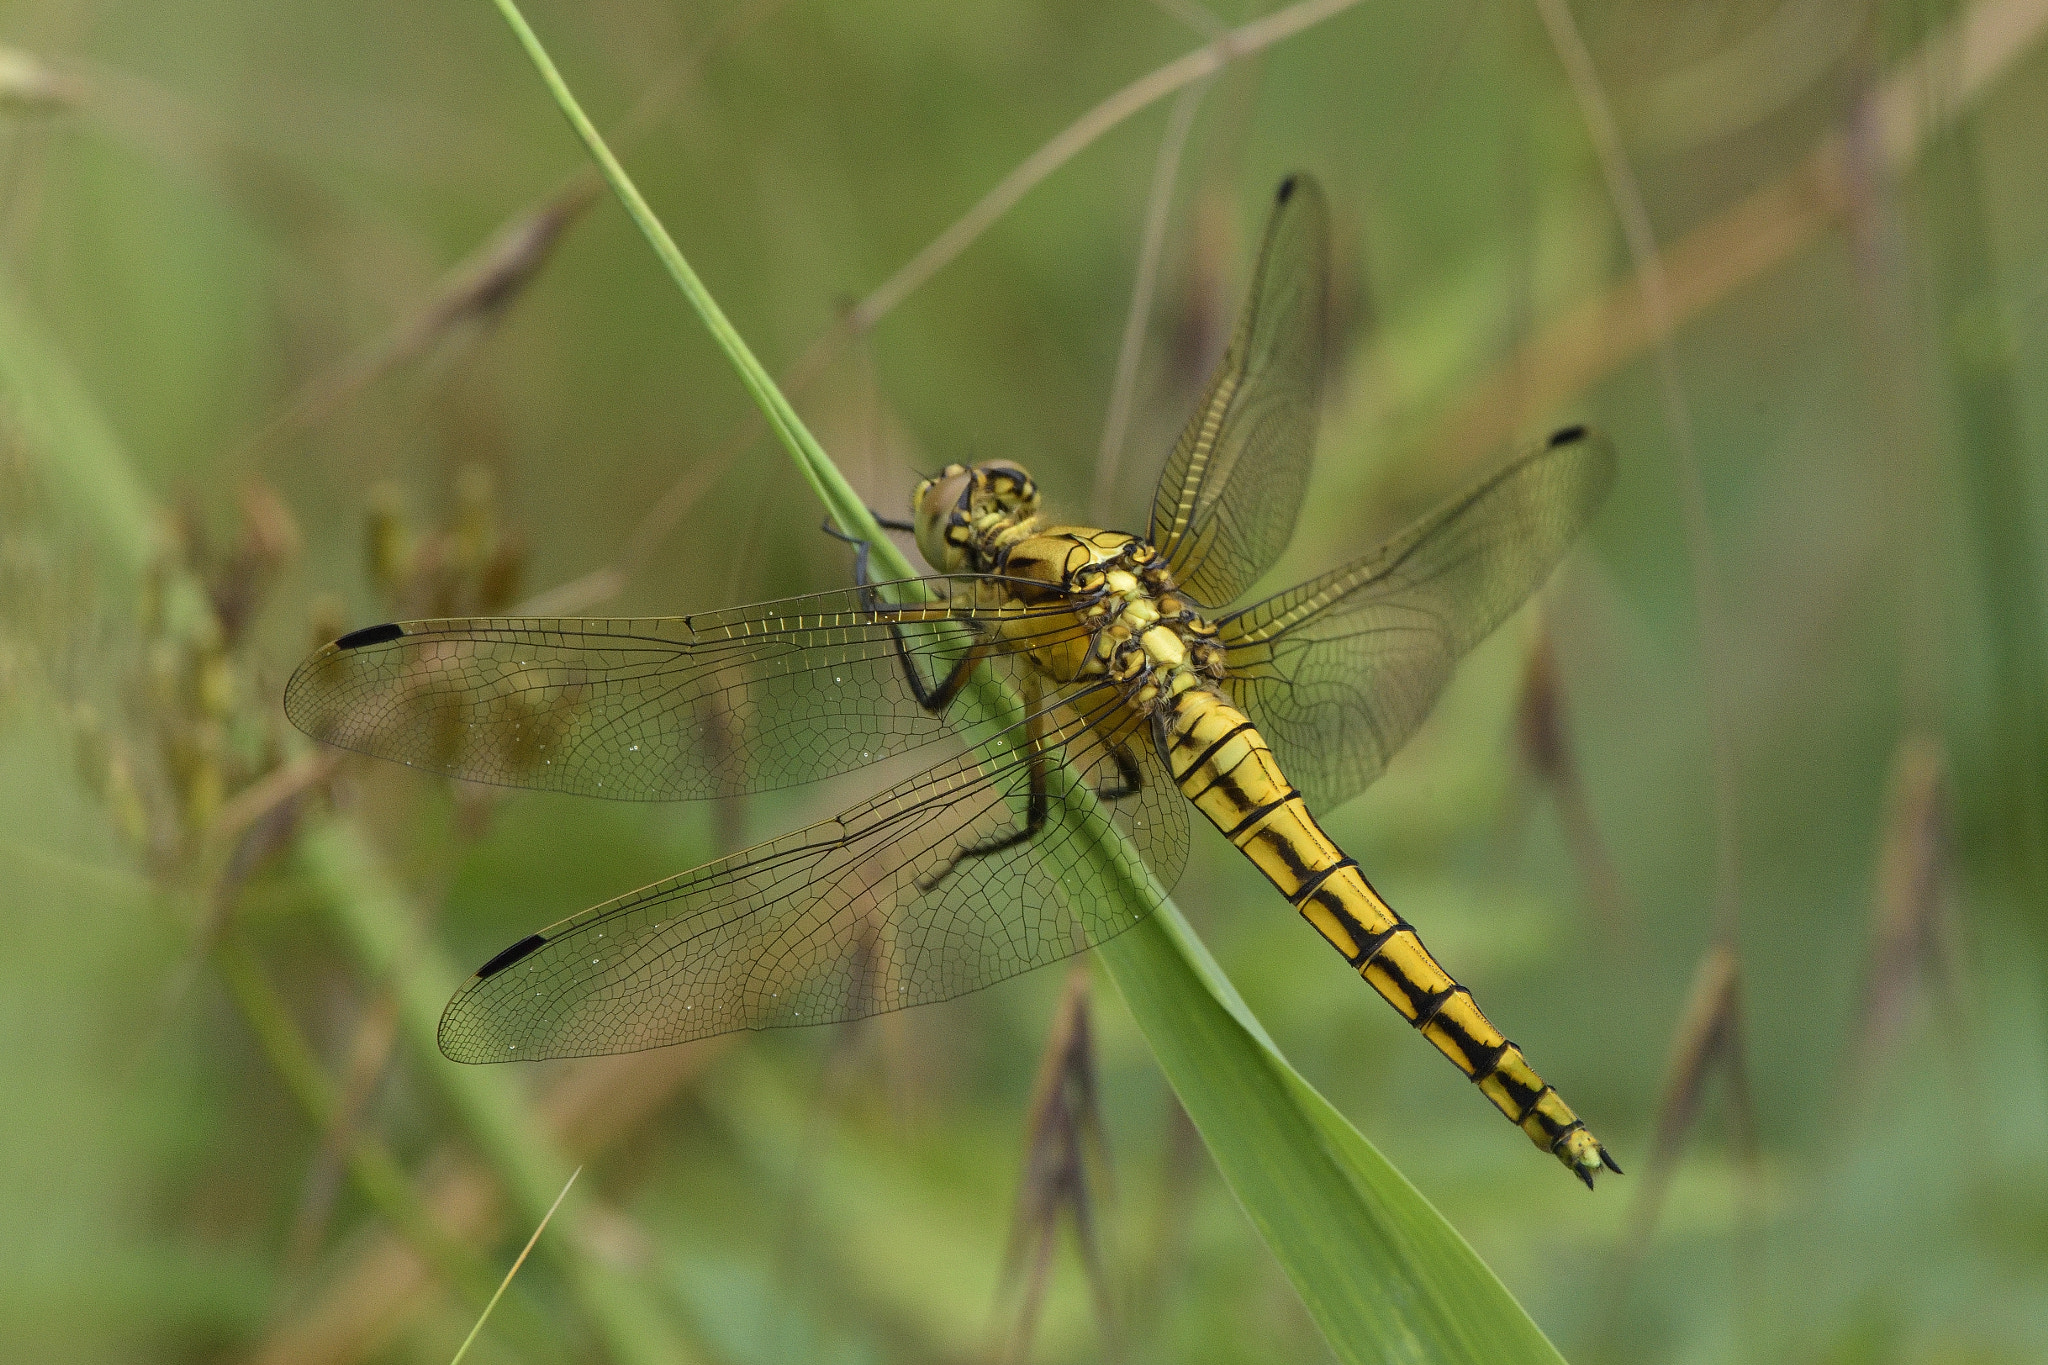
(205, 209)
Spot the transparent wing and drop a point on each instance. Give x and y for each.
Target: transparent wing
(850, 917)
(1340, 671)
(666, 708)
(1226, 503)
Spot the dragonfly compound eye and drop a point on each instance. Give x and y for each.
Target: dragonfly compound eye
(940, 516)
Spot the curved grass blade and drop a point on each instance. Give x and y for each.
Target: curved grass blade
(1382, 1273)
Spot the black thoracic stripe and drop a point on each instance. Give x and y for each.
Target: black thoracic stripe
(510, 956)
(1436, 1004)
(1370, 949)
(1208, 752)
(1485, 1069)
(1569, 1129)
(1261, 813)
(1315, 883)
(1530, 1107)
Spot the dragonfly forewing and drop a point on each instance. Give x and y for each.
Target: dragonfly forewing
(883, 907)
(663, 708)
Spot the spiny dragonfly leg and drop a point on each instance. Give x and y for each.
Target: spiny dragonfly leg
(1036, 811)
(934, 699)
(1130, 777)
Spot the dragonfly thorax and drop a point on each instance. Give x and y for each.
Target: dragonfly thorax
(1141, 631)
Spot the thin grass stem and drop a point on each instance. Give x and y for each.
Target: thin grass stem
(1724, 953)
(506, 1283)
(1158, 204)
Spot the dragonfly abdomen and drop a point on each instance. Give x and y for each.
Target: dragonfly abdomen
(1222, 764)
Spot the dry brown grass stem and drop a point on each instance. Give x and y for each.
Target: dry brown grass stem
(1063, 1142)
(478, 289)
(1912, 930)
(276, 787)
(1709, 1039)
(524, 1252)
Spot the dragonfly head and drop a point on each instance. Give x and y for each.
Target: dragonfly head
(961, 511)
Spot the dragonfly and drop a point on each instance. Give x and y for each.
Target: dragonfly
(1089, 686)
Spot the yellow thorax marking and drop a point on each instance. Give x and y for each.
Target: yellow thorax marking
(1163, 647)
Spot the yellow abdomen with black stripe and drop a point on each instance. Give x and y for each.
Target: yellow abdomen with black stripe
(1222, 765)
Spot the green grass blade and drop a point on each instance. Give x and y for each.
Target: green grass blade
(1382, 1273)
(1385, 1277)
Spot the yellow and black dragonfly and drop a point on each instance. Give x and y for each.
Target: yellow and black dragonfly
(1123, 694)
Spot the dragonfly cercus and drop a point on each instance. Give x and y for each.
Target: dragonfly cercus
(1132, 694)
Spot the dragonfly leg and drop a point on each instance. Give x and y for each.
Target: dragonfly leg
(934, 698)
(861, 550)
(1036, 811)
(1130, 778)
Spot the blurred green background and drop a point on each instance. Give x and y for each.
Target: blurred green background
(251, 398)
